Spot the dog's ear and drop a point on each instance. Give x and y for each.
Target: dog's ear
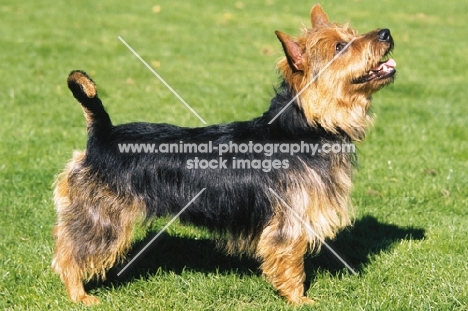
(318, 16)
(292, 50)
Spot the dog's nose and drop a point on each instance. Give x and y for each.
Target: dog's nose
(384, 35)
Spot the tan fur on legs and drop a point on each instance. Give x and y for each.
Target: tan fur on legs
(94, 228)
(70, 273)
(283, 262)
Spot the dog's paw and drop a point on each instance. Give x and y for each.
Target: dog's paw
(89, 300)
(300, 300)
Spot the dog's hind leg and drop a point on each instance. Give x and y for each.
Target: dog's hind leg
(71, 272)
(94, 229)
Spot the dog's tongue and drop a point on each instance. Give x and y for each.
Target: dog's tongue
(389, 64)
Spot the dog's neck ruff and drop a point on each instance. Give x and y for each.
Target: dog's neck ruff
(293, 121)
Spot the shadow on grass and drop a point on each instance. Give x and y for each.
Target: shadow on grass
(356, 245)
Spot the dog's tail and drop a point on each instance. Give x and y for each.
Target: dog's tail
(84, 90)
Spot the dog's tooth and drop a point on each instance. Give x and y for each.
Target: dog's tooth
(381, 67)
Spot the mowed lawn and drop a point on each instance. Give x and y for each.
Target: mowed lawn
(409, 241)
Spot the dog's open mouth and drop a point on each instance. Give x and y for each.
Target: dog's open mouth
(383, 70)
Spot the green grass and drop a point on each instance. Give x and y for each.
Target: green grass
(409, 243)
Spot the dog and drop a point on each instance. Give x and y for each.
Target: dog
(262, 204)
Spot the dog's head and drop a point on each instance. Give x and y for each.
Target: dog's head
(335, 71)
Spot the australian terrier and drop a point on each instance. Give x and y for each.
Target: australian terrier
(329, 74)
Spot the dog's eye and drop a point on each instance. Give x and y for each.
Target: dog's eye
(340, 46)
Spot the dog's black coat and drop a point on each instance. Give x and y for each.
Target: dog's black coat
(236, 201)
